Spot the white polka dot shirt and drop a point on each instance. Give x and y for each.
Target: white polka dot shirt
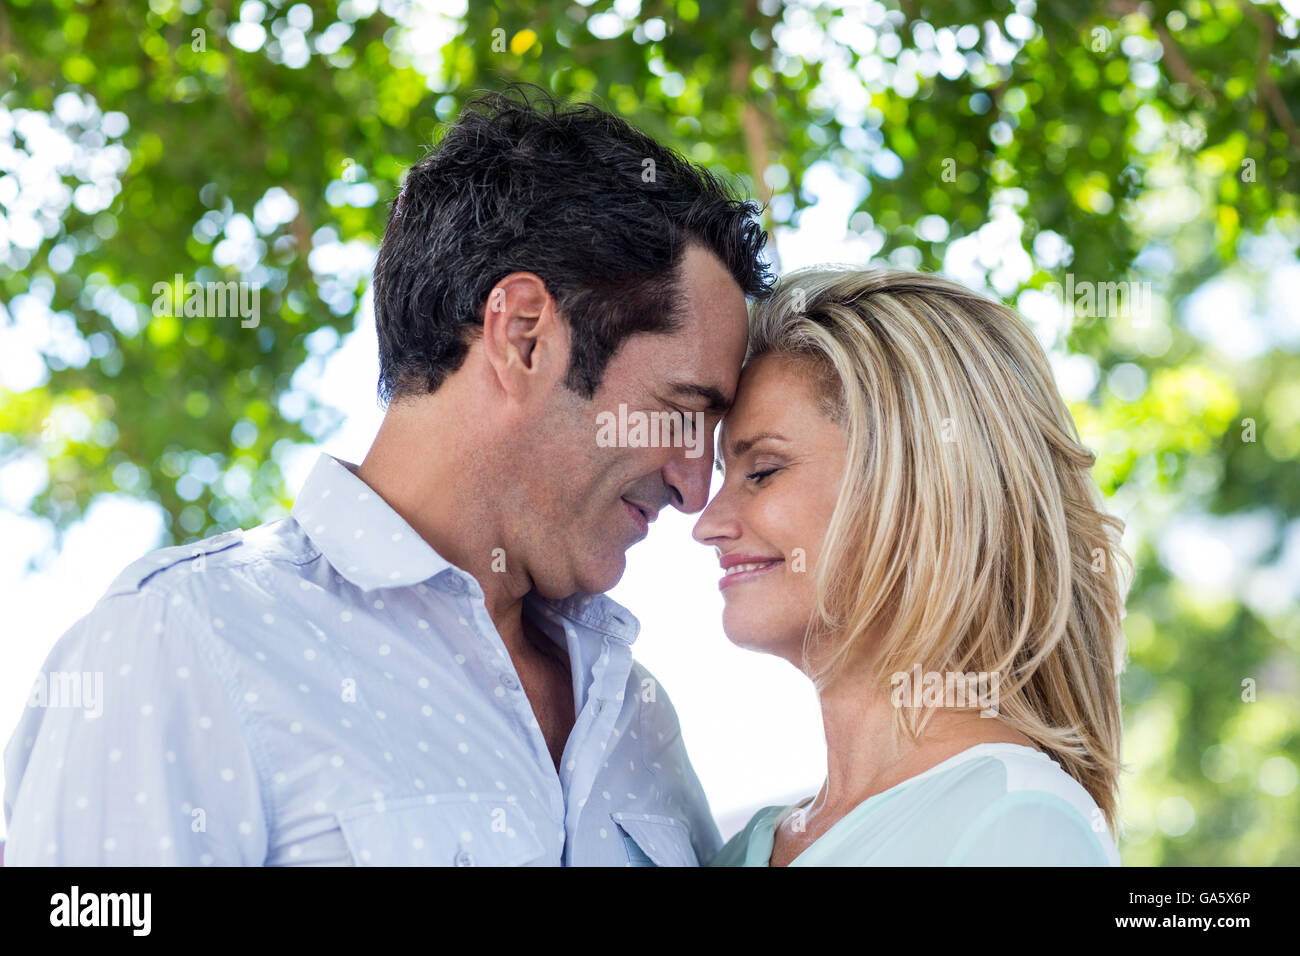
(327, 690)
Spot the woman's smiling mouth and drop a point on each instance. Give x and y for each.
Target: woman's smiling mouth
(745, 567)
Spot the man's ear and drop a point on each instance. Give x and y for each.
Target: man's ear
(524, 340)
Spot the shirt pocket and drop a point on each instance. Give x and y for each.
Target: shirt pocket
(450, 829)
(653, 840)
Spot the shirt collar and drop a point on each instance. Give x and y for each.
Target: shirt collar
(592, 612)
(359, 534)
(372, 546)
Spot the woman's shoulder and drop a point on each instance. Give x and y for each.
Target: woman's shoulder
(759, 829)
(1028, 770)
(1029, 812)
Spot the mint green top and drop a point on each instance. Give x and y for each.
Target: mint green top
(990, 805)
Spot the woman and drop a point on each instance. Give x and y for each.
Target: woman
(907, 516)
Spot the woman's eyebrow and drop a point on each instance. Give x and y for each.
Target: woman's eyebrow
(742, 445)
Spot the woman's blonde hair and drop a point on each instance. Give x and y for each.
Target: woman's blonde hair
(968, 534)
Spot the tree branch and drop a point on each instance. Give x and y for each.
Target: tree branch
(1172, 52)
(751, 125)
(1267, 88)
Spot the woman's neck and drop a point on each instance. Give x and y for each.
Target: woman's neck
(866, 754)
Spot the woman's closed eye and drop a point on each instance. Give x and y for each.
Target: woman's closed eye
(759, 476)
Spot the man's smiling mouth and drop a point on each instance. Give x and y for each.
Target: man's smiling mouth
(641, 514)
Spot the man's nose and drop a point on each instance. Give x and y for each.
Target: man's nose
(688, 478)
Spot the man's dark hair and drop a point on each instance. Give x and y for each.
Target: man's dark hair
(598, 210)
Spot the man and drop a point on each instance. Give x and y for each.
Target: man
(416, 666)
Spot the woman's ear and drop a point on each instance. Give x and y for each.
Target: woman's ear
(524, 340)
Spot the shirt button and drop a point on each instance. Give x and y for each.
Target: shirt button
(508, 680)
(455, 584)
(464, 858)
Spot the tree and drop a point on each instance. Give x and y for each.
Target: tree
(1045, 152)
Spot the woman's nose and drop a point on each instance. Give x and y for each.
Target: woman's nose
(718, 522)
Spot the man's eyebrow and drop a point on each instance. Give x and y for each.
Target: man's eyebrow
(717, 402)
(739, 448)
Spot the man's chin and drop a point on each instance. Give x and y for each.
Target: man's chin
(600, 579)
(591, 578)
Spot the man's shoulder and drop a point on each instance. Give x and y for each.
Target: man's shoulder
(165, 602)
(646, 688)
(155, 565)
(210, 561)
(660, 726)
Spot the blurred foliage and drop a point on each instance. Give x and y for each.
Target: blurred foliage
(1148, 142)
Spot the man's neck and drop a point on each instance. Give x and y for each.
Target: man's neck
(435, 464)
(422, 465)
